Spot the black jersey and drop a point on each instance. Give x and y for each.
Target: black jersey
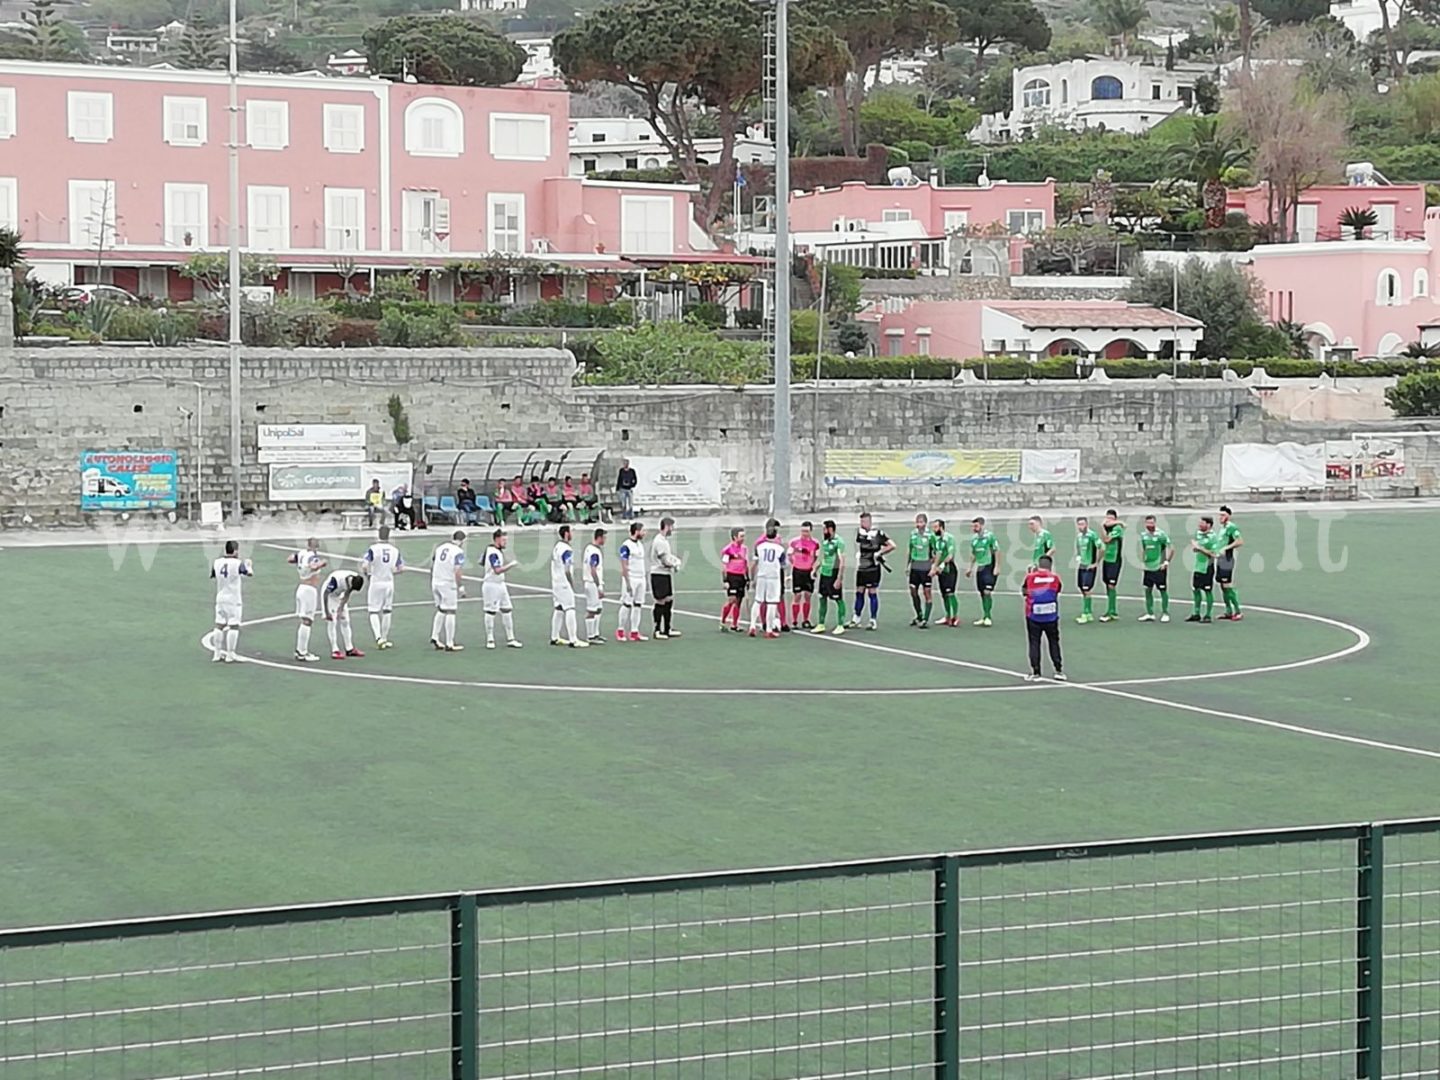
(868, 543)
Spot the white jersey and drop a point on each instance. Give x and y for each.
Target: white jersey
(334, 589)
(309, 564)
(382, 560)
(494, 560)
(227, 572)
(594, 569)
(448, 558)
(562, 560)
(633, 552)
(769, 559)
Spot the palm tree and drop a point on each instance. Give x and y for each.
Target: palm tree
(1213, 148)
(1120, 18)
(11, 253)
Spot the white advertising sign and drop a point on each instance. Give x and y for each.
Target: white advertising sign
(335, 482)
(1279, 465)
(677, 483)
(1049, 466)
(301, 436)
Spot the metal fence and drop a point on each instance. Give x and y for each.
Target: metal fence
(1290, 953)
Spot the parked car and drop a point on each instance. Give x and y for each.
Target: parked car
(78, 296)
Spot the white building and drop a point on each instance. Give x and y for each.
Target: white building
(1106, 93)
(349, 63)
(612, 143)
(539, 60)
(898, 70)
(1362, 17)
(492, 5)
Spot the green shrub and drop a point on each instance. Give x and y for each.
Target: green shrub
(707, 313)
(749, 319)
(1416, 394)
(433, 329)
(567, 313)
(804, 331)
(665, 353)
(397, 287)
(481, 314)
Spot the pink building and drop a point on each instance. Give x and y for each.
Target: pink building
(1108, 329)
(1362, 297)
(1399, 209)
(121, 174)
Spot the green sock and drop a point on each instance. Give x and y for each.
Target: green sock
(1149, 600)
(1209, 603)
(929, 607)
(952, 606)
(1164, 601)
(1198, 598)
(824, 607)
(915, 602)
(1112, 598)
(1085, 604)
(987, 602)
(1232, 601)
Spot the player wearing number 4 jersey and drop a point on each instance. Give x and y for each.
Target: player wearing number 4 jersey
(228, 571)
(382, 561)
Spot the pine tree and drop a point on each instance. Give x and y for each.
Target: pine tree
(199, 47)
(44, 33)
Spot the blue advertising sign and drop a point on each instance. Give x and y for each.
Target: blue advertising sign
(129, 480)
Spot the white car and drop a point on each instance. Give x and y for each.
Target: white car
(78, 296)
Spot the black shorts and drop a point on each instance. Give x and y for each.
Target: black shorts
(830, 587)
(985, 578)
(867, 578)
(1225, 569)
(1110, 572)
(662, 586)
(1204, 580)
(802, 581)
(1157, 579)
(735, 585)
(919, 578)
(1085, 578)
(949, 575)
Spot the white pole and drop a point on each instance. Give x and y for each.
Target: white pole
(780, 498)
(815, 391)
(199, 443)
(234, 295)
(1175, 311)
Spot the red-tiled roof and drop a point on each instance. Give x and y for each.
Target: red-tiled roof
(1102, 314)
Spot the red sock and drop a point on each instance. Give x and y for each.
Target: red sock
(806, 603)
(794, 611)
(783, 621)
(735, 621)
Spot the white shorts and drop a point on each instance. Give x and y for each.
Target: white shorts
(767, 590)
(496, 598)
(564, 599)
(632, 593)
(381, 598)
(592, 597)
(307, 601)
(227, 613)
(447, 596)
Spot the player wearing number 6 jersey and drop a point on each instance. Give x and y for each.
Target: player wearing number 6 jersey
(447, 568)
(380, 564)
(228, 571)
(766, 568)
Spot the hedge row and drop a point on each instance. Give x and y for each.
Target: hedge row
(1062, 367)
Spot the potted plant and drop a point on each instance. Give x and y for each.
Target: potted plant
(1358, 219)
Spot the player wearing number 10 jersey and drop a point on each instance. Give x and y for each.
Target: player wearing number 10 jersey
(766, 568)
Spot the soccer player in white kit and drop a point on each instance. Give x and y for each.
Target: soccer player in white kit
(335, 602)
(311, 564)
(227, 571)
(562, 590)
(382, 562)
(447, 568)
(495, 594)
(594, 572)
(632, 584)
(766, 566)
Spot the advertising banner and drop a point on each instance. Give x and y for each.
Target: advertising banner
(308, 436)
(129, 480)
(1050, 466)
(937, 467)
(1278, 465)
(677, 483)
(335, 482)
(1364, 459)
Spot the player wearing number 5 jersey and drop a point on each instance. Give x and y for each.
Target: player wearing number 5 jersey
(767, 567)
(382, 561)
(228, 571)
(447, 568)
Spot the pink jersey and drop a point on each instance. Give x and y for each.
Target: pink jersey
(736, 559)
(803, 551)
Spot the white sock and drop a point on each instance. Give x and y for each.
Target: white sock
(623, 623)
(345, 634)
(557, 623)
(637, 617)
(302, 638)
(217, 642)
(437, 627)
(755, 607)
(489, 627)
(377, 627)
(509, 620)
(334, 632)
(232, 639)
(385, 625)
(449, 628)
(592, 625)
(570, 625)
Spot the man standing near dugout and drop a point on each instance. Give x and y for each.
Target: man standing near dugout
(1231, 541)
(1042, 617)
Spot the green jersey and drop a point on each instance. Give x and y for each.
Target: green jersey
(944, 546)
(830, 555)
(1209, 542)
(1229, 533)
(1153, 547)
(1044, 544)
(983, 547)
(921, 549)
(1087, 547)
(1113, 536)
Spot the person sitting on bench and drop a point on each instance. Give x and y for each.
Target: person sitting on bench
(507, 504)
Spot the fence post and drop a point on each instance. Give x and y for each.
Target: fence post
(947, 968)
(464, 989)
(1370, 953)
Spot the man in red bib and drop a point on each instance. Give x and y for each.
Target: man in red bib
(1042, 616)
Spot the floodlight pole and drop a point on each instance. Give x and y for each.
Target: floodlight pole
(780, 496)
(234, 291)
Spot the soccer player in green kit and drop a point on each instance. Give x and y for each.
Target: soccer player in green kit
(921, 553)
(1206, 546)
(943, 545)
(1087, 561)
(1044, 542)
(1112, 531)
(1230, 539)
(1156, 552)
(832, 565)
(984, 567)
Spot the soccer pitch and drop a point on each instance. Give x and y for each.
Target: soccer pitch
(140, 779)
